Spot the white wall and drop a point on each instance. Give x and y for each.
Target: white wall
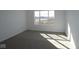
(58, 26)
(72, 31)
(12, 22)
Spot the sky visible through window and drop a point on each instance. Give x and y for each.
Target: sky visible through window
(44, 16)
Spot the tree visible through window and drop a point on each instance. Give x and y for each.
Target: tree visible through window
(44, 17)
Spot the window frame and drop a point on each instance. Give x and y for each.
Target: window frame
(40, 17)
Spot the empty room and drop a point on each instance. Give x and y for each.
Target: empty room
(39, 29)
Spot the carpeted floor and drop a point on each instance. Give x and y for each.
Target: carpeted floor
(37, 40)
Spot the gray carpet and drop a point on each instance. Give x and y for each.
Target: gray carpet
(30, 40)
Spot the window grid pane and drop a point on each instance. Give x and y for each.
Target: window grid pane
(51, 14)
(43, 14)
(36, 13)
(44, 17)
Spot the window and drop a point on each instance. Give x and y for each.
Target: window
(44, 17)
(36, 17)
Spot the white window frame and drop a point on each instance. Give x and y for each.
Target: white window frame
(40, 17)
